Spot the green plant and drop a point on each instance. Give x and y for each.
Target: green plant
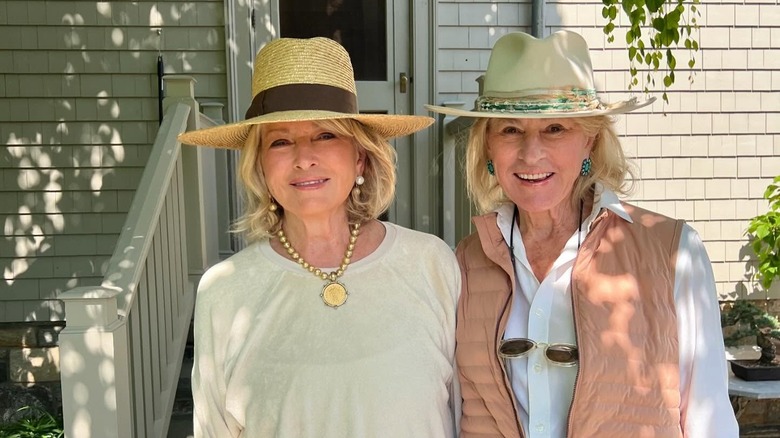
(666, 23)
(40, 424)
(764, 234)
(752, 321)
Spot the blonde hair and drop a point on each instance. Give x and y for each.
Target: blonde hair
(610, 165)
(260, 221)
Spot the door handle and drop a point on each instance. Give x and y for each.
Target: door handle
(404, 82)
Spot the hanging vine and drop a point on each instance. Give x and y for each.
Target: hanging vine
(656, 28)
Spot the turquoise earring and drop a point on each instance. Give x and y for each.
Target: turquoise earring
(586, 165)
(491, 169)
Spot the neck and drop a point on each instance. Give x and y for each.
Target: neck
(320, 242)
(546, 223)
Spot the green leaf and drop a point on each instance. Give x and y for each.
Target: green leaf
(629, 37)
(667, 81)
(691, 63)
(631, 53)
(654, 5)
(673, 19)
(604, 12)
(659, 24)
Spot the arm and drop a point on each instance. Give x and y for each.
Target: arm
(705, 407)
(210, 418)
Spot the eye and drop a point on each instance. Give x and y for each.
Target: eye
(278, 142)
(510, 129)
(326, 136)
(556, 129)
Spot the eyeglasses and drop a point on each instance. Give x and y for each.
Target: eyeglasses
(565, 355)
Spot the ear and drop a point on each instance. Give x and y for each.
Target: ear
(591, 142)
(360, 165)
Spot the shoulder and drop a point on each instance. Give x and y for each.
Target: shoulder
(469, 244)
(235, 271)
(418, 240)
(655, 223)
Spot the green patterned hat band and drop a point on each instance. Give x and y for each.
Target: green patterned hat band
(542, 101)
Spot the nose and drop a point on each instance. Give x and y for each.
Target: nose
(305, 155)
(531, 150)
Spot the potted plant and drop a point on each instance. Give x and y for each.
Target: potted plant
(764, 236)
(753, 321)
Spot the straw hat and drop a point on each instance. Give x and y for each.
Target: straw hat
(539, 78)
(302, 80)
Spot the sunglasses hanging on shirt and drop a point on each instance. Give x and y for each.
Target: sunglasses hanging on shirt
(565, 355)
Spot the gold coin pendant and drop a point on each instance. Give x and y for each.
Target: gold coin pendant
(334, 294)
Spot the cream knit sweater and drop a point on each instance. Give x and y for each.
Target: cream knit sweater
(271, 360)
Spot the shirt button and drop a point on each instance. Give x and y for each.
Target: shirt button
(538, 368)
(540, 427)
(539, 312)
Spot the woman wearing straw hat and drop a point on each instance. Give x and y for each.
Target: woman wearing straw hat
(331, 324)
(580, 315)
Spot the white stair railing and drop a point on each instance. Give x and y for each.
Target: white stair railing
(122, 347)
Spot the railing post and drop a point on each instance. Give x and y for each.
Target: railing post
(223, 180)
(95, 367)
(213, 110)
(198, 168)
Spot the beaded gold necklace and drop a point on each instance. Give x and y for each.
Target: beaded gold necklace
(334, 293)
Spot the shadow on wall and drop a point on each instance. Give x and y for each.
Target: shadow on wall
(77, 138)
(749, 287)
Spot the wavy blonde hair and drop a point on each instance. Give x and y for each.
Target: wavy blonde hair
(374, 197)
(610, 165)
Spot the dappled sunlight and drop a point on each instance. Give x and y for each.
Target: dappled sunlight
(73, 19)
(57, 187)
(70, 169)
(155, 17)
(117, 37)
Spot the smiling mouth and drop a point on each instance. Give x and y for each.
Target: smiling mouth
(534, 177)
(309, 183)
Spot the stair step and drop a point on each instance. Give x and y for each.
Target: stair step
(181, 417)
(182, 402)
(180, 427)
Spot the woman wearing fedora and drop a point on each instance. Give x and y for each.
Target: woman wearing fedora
(580, 315)
(331, 323)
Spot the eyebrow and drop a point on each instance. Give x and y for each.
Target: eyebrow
(275, 130)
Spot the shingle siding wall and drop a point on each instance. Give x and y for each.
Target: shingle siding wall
(710, 157)
(78, 115)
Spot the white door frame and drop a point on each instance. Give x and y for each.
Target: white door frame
(420, 169)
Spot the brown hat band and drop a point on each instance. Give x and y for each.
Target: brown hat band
(293, 97)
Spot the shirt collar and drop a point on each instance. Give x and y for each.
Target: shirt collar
(606, 198)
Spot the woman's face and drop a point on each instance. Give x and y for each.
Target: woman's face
(537, 161)
(309, 170)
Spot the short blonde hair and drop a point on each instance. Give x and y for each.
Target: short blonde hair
(375, 196)
(610, 165)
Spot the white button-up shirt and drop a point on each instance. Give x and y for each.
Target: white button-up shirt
(542, 311)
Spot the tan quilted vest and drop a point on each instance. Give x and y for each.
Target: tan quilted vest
(625, 320)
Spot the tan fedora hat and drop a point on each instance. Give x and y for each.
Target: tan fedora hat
(539, 78)
(302, 80)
